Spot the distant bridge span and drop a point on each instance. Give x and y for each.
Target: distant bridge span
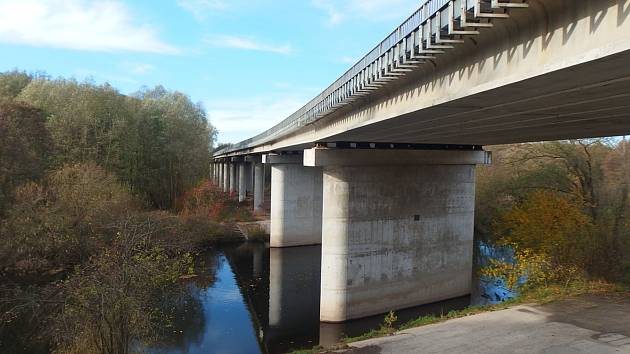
(379, 167)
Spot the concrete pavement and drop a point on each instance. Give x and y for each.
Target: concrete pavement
(589, 324)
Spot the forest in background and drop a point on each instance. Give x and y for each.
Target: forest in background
(104, 201)
(562, 207)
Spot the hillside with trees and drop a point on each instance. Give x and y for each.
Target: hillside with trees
(92, 245)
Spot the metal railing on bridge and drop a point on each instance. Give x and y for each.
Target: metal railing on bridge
(427, 32)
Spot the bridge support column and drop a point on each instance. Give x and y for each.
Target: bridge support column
(397, 228)
(249, 177)
(233, 177)
(296, 202)
(258, 184)
(242, 181)
(226, 176)
(221, 177)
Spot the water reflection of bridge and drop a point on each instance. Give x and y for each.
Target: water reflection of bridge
(281, 290)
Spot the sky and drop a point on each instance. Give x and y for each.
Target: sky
(251, 63)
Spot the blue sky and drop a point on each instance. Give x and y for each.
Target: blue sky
(250, 62)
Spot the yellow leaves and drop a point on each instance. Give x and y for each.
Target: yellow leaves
(546, 223)
(549, 235)
(526, 265)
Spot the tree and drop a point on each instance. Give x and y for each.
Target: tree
(81, 118)
(116, 298)
(591, 175)
(24, 143)
(547, 223)
(12, 83)
(157, 141)
(62, 220)
(184, 138)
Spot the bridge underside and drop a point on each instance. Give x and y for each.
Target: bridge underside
(587, 100)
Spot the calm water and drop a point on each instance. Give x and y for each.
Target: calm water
(252, 299)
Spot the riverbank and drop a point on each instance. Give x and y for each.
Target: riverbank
(586, 324)
(598, 307)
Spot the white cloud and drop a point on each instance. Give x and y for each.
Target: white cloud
(201, 8)
(371, 10)
(244, 43)
(238, 119)
(105, 25)
(348, 60)
(138, 68)
(331, 9)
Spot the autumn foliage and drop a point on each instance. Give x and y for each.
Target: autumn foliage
(210, 201)
(561, 206)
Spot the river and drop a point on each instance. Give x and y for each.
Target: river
(253, 299)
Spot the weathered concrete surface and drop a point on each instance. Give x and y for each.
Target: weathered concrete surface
(225, 168)
(394, 237)
(233, 177)
(296, 205)
(259, 187)
(242, 181)
(592, 324)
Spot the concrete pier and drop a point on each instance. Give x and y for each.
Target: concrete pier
(242, 181)
(397, 228)
(249, 177)
(233, 177)
(258, 183)
(226, 177)
(259, 187)
(296, 202)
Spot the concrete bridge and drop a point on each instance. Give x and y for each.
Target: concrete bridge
(380, 167)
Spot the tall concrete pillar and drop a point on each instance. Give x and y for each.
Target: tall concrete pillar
(249, 180)
(220, 175)
(259, 187)
(242, 181)
(257, 183)
(226, 177)
(296, 202)
(233, 177)
(397, 228)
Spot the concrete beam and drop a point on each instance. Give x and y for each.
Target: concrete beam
(254, 158)
(274, 159)
(359, 157)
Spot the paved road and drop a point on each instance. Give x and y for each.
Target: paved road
(590, 324)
